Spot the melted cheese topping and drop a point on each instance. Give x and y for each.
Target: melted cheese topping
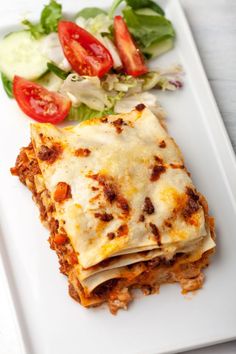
(113, 177)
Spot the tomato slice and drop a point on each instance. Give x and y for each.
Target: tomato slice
(85, 53)
(38, 103)
(130, 55)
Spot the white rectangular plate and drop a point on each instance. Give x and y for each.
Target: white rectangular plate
(49, 320)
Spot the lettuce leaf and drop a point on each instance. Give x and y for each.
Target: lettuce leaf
(57, 71)
(50, 16)
(148, 30)
(136, 5)
(83, 112)
(149, 4)
(7, 85)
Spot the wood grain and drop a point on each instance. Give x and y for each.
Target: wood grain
(213, 23)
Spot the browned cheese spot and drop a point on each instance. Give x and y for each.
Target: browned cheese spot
(155, 232)
(111, 235)
(104, 120)
(141, 218)
(162, 144)
(148, 206)
(51, 154)
(62, 192)
(192, 205)
(104, 216)
(158, 160)
(157, 170)
(140, 107)
(177, 166)
(122, 230)
(82, 152)
(118, 124)
(109, 188)
(123, 204)
(111, 192)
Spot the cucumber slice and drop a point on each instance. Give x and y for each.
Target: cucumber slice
(20, 55)
(159, 48)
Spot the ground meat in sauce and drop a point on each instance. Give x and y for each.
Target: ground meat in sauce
(122, 230)
(140, 107)
(109, 189)
(162, 144)
(192, 205)
(62, 192)
(155, 232)
(104, 216)
(156, 172)
(105, 287)
(82, 152)
(148, 206)
(49, 154)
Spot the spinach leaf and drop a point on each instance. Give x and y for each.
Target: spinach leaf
(148, 30)
(140, 4)
(7, 85)
(83, 113)
(136, 5)
(50, 16)
(57, 71)
(89, 12)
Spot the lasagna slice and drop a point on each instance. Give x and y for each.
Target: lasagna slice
(120, 205)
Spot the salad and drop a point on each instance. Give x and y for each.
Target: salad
(93, 64)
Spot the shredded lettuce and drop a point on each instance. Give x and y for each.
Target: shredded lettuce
(83, 112)
(50, 16)
(87, 90)
(99, 24)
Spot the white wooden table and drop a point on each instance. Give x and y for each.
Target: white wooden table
(213, 23)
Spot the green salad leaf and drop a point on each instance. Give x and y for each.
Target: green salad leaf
(83, 112)
(57, 71)
(148, 4)
(148, 30)
(90, 12)
(50, 16)
(136, 5)
(7, 85)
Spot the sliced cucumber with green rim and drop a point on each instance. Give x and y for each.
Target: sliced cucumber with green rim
(20, 55)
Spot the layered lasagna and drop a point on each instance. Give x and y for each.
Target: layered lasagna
(120, 205)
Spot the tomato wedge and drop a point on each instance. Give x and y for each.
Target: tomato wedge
(38, 103)
(85, 53)
(130, 55)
